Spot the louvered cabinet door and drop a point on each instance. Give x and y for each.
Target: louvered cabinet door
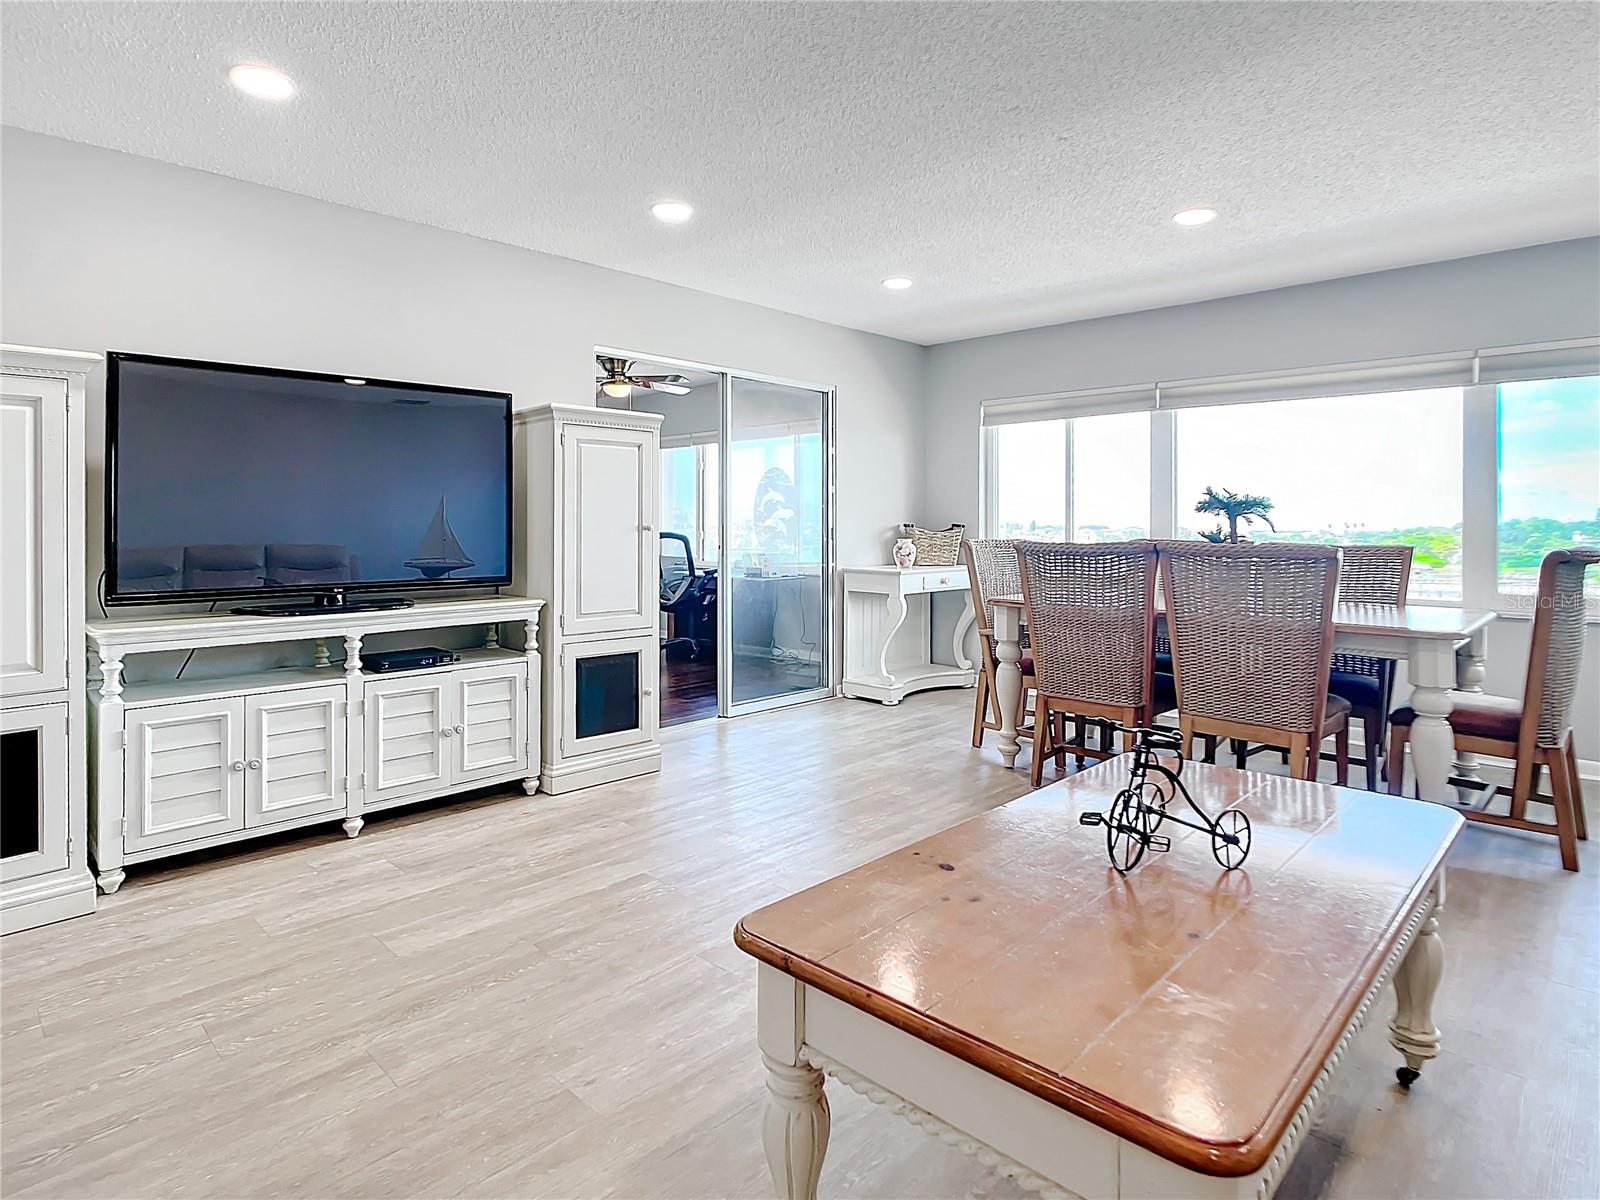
(294, 745)
(406, 726)
(491, 721)
(185, 772)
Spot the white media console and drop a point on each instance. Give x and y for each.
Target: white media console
(185, 764)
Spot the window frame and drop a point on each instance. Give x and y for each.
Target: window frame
(1480, 495)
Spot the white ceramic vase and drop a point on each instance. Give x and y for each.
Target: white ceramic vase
(905, 553)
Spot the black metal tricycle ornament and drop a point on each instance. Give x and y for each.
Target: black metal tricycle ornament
(1140, 809)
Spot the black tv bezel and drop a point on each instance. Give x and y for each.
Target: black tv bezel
(114, 360)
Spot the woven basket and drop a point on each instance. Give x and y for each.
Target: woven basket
(936, 547)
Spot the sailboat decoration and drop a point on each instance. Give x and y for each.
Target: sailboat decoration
(440, 551)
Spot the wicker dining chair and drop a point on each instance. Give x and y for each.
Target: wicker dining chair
(1370, 575)
(1251, 628)
(992, 573)
(1091, 610)
(1535, 731)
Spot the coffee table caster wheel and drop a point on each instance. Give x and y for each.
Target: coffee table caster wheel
(1407, 1076)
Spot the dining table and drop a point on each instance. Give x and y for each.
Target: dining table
(1444, 649)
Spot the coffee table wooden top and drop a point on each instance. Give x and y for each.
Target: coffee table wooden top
(1185, 1008)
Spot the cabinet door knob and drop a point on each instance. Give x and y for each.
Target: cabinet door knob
(461, 728)
(649, 692)
(255, 764)
(447, 731)
(239, 766)
(649, 528)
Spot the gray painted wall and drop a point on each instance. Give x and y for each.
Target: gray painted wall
(111, 251)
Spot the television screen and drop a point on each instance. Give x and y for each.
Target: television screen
(226, 481)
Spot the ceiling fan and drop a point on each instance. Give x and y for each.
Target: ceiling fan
(619, 385)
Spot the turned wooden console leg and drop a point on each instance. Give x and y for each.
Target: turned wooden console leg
(352, 826)
(1416, 981)
(110, 881)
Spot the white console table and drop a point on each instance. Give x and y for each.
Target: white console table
(186, 764)
(888, 632)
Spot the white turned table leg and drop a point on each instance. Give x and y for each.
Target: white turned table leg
(1416, 981)
(1008, 677)
(1433, 746)
(1471, 670)
(794, 1128)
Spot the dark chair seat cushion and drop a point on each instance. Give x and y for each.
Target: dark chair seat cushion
(1166, 693)
(1476, 716)
(1337, 706)
(1362, 691)
(1163, 664)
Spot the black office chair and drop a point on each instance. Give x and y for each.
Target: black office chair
(689, 596)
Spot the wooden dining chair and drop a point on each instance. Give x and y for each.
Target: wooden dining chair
(1536, 731)
(1251, 628)
(1370, 575)
(1091, 610)
(992, 573)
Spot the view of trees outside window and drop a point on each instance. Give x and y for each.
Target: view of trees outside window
(1549, 457)
(1382, 469)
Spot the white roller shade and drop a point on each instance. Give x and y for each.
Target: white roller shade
(1347, 379)
(1095, 402)
(1553, 360)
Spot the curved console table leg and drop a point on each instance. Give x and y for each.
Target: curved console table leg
(958, 643)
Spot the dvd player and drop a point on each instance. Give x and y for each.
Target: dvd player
(384, 661)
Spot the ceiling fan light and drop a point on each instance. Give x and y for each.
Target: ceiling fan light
(617, 389)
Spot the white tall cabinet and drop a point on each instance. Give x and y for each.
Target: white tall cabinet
(44, 869)
(588, 486)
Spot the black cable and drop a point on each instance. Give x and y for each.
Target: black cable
(189, 658)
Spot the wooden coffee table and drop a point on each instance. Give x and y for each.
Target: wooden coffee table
(1167, 1034)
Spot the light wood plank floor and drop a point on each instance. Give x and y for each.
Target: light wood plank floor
(538, 997)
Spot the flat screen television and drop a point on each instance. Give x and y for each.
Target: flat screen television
(231, 482)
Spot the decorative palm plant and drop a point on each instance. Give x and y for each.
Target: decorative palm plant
(1233, 507)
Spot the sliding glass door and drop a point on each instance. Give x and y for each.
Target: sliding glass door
(775, 585)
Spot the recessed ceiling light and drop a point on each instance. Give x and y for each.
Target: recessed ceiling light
(1195, 216)
(672, 212)
(897, 283)
(264, 83)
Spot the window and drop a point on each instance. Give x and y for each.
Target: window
(1090, 475)
(1548, 455)
(689, 500)
(1483, 461)
(1383, 468)
(1111, 477)
(1030, 477)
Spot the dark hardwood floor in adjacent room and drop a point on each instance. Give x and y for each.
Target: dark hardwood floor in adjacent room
(688, 690)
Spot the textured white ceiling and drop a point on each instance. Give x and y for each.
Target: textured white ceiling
(1019, 161)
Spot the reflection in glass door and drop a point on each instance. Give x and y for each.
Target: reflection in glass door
(776, 541)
